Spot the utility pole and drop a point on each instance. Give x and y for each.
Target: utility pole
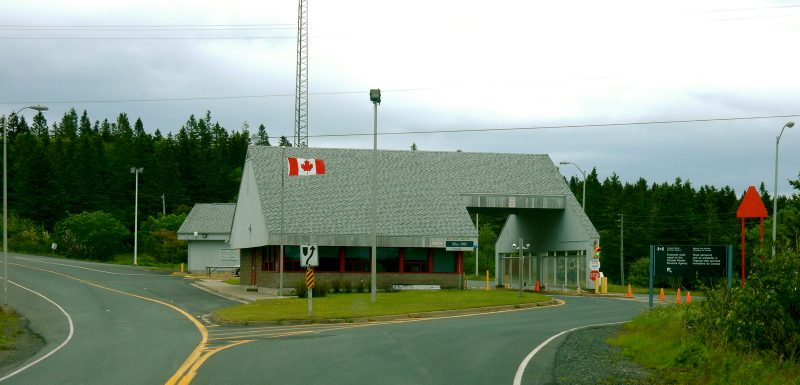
(621, 249)
(136, 171)
(163, 206)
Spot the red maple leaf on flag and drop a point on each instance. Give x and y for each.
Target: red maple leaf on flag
(307, 166)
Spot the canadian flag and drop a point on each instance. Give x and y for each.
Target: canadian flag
(300, 166)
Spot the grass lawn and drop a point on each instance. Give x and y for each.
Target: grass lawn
(657, 340)
(233, 281)
(356, 305)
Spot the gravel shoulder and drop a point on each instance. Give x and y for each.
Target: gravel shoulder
(586, 359)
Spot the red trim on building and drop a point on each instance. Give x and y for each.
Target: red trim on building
(402, 255)
(341, 259)
(459, 261)
(430, 260)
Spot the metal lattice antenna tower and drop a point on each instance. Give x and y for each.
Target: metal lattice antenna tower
(301, 93)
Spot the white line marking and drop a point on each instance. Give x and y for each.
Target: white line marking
(87, 268)
(524, 364)
(50, 353)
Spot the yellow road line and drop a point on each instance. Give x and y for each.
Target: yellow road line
(193, 357)
(189, 376)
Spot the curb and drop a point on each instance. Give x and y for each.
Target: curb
(221, 294)
(395, 317)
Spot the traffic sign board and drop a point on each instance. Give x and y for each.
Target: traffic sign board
(686, 261)
(309, 255)
(594, 264)
(594, 274)
(459, 245)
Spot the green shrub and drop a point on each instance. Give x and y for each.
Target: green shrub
(96, 235)
(159, 238)
(764, 316)
(336, 286)
(26, 236)
(300, 289)
(321, 289)
(347, 286)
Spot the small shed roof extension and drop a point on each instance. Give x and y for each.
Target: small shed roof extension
(422, 196)
(209, 220)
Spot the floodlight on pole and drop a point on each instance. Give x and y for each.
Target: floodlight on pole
(775, 190)
(520, 247)
(563, 163)
(5, 197)
(375, 98)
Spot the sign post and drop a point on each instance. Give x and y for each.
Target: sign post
(309, 258)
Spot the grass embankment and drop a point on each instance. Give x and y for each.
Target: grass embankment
(358, 305)
(658, 341)
(11, 326)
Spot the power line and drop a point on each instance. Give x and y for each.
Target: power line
(148, 38)
(595, 125)
(146, 25)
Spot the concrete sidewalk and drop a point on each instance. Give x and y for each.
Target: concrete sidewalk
(236, 293)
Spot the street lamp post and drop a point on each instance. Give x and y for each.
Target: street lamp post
(5, 198)
(136, 171)
(375, 98)
(520, 247)
(563, 163)
(775, 191)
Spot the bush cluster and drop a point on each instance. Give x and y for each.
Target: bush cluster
(764, 316)
(96, 235)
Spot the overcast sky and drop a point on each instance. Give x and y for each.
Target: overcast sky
(565, 70)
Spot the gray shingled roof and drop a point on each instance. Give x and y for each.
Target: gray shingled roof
(209, 218)
(419, 191)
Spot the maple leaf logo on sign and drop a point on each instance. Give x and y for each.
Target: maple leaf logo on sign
(302, 167)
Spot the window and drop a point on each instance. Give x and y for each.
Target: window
(291, 258)
(388, 260)
(357, 260)
(415, 260)
(270, 257)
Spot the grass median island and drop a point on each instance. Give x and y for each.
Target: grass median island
(358, 305)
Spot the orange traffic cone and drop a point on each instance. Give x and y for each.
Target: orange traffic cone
(661, 295)
(537, 288)
(678, 298)
(630, 292)
(688, 297)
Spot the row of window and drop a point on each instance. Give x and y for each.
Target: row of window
(357, 259)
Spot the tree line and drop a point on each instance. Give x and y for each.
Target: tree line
(677, 213)
(75, 165)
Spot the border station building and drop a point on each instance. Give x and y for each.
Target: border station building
(207, 229)
(425, 202)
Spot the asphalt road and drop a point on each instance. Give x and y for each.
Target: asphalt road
(107, 324)
(480, 349)
(131, 326)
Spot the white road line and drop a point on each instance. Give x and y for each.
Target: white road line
(50, 353)
(524, 364)
(86, 268)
